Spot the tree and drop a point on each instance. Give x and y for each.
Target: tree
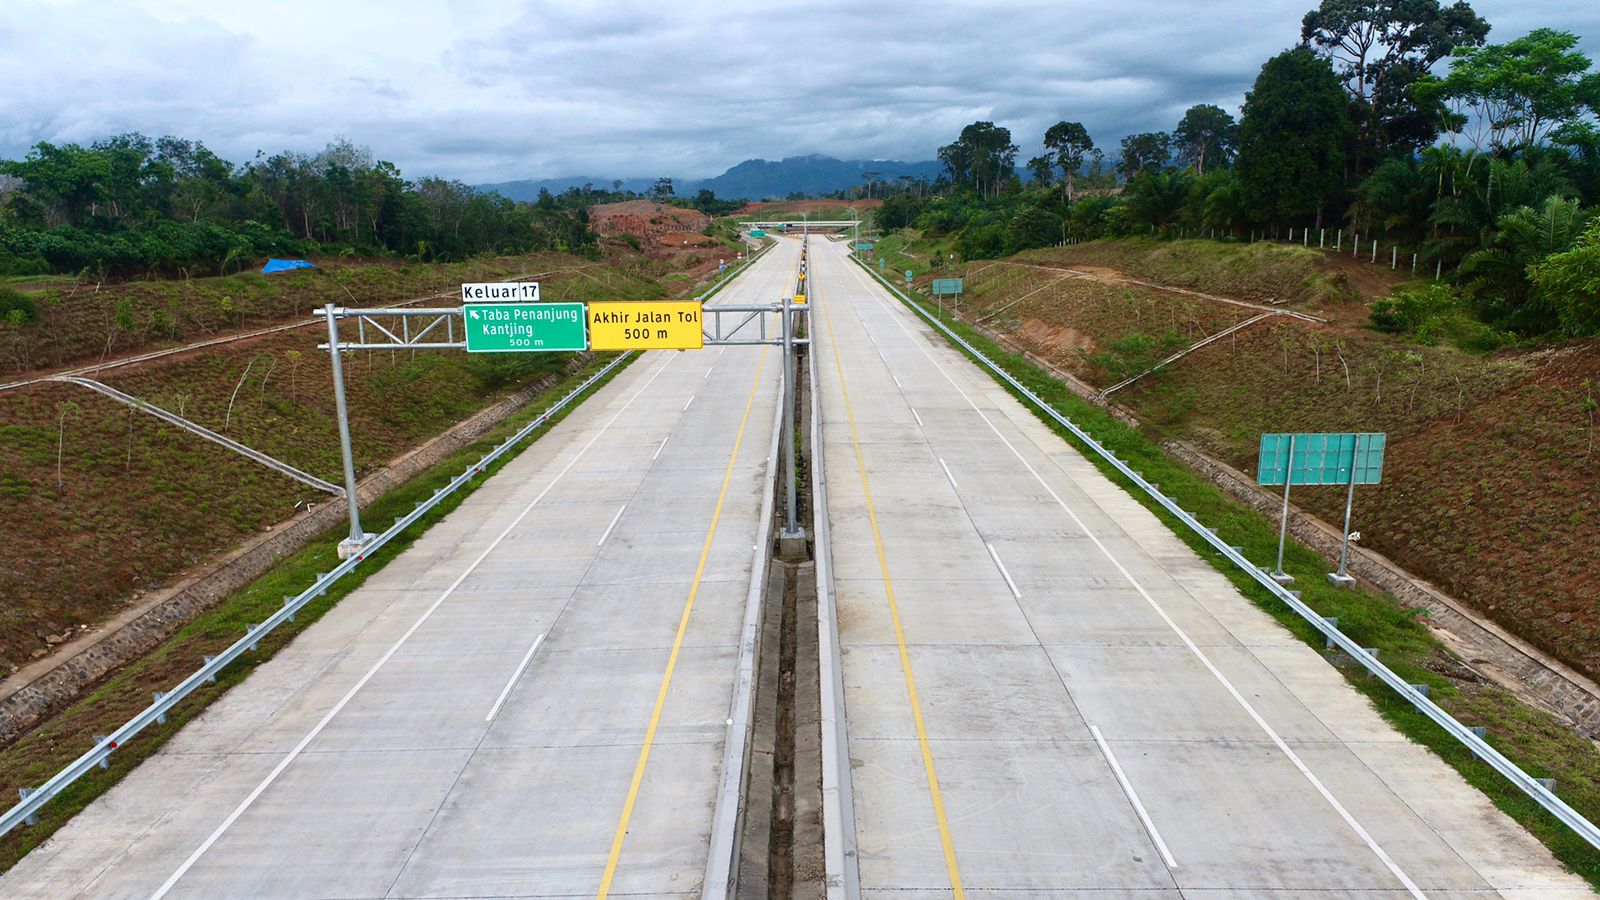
(1381, 48)
(1571, 282)
(1069, 143)
(1157, 198)
(983, 156)
(1497, 276)
(1206, 132)
(662, 189)
(1145, 152)
(1032, 227)
(1040, 169)
(1525, 89)
(1291, 138)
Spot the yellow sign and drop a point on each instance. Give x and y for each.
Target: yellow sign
(802, 276)
(655, 325)
(799, 298)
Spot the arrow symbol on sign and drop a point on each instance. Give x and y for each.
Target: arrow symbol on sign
(472, 313)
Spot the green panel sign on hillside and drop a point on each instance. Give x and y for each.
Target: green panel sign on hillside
(524, 327)
(1321, 458)
(863, 245)
(756, 232)
(947, 286)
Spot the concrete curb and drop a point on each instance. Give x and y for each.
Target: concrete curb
(839, 851)
(727, 819)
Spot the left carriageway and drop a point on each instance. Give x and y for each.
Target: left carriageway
(533, 700)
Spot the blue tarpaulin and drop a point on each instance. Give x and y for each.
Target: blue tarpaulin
(284, 265)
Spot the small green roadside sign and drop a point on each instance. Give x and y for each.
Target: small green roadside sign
(524, 327)
(863, 245)
(947, 286)
(757, 233)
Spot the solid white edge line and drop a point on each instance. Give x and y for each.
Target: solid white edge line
(1250, 710)
(515, 677)
(1003, 573)
(1133, 797)
(948, 474)
(277, 770)
(613, 524)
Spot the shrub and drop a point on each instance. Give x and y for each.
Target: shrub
(16, 307)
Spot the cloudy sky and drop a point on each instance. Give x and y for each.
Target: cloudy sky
(495, 90)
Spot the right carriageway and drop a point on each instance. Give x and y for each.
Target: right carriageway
(1047, 693)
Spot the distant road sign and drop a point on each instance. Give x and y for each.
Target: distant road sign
(799, 299)
(947, 286)
(507, 291)
(656, 325)
(881, 265)
(908, 276)
(1321, 458)
(863, 245)
(756, 232)
(523, 327)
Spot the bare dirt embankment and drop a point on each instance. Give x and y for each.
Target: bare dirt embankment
(1492, 481)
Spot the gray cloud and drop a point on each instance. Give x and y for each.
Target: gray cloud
(489, 92)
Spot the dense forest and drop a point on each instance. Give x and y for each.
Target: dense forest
(1397, 120)
(132, 206)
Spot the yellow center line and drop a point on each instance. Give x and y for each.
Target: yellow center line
(677, 645)
(894, 617)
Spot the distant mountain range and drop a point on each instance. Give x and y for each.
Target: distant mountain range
(753, 179)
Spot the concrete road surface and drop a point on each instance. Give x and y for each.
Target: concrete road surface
(1047, 693)
(531, 701)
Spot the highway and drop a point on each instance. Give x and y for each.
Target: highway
(533, 700)
(1047, 693)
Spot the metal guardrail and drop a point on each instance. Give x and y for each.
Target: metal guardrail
(33, 799)
(1410, 693)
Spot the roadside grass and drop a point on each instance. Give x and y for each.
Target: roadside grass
(44, 751)
(1536, 740)
(1263, 271)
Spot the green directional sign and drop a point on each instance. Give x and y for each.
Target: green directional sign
(756, 232)
(863, 245)
(947, 286)
(524, 327)
(1321, 458)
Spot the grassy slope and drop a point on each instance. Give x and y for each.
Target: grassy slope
(138, 502)
(1490, 485)
(1535, 740)
(44, 751)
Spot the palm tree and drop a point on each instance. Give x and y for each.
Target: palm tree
(1496, 276)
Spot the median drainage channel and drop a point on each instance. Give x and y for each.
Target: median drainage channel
(781, 835)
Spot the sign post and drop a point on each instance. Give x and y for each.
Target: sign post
(1344, 459)
(358, 538)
